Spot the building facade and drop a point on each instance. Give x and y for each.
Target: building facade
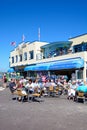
(59, 58)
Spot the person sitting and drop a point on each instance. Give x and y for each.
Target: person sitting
(30, 86)
(72, 90)
(65, 87)
(71, 93)
(48, 84)
(81, 88)
(61, 86)
(12, 85)
(36, 86)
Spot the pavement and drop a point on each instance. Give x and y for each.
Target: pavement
(54, 113)
(1, 88)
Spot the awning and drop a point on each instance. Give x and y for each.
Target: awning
(42, 67)
(72, 63)
(38, 67)
(11, 70)
(29, 68)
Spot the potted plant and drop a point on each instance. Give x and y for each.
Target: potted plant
(57, 49)
(65, 49)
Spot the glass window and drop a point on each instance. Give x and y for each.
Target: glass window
(31, 54)
(80, 47)
(12, 59)
(86, 47)
(20, 57)
(25, 56)
(80, 74)
(39, 56)
(16, 58)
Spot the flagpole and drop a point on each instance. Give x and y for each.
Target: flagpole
(23, 38)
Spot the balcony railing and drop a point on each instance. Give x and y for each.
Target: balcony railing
(55, 53)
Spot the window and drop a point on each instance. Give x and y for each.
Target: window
(20, 57)
(86, 47)
(31, 54)
(25, 56)
(12, 59)
(39, 56)
(80, 74)
(16, 58)
(78, 48)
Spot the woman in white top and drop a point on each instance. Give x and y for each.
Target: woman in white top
(30, 86)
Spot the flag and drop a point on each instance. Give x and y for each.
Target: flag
(23, 37)
(13, 43)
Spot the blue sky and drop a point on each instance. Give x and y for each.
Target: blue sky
(58, 20)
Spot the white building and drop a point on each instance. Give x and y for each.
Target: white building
(62, 57)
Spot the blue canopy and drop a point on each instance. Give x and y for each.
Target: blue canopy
(72, 63)
(38, 67)
(29, 68)
(11, 70)
(42, 67)
(67, 64)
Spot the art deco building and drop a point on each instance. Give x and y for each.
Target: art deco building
(59, 58)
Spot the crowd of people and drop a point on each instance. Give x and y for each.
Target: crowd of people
(63, 87)
(59, 86)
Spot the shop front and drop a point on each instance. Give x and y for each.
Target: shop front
(59, 67)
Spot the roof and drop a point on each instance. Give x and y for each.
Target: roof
(58, 43)
(79, 36)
